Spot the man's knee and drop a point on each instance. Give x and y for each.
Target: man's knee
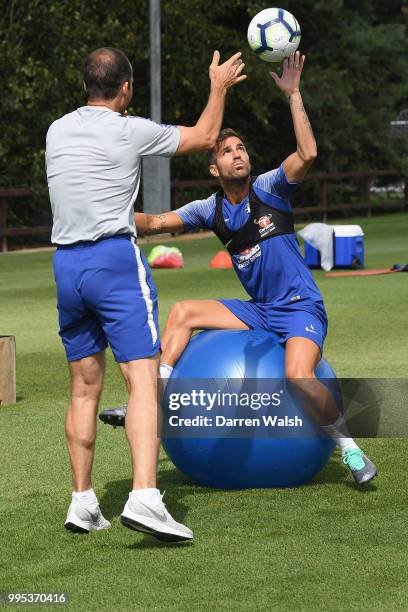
(86, 392)
(87, 376)
(181, 313)
(141, 374)
(298, 371)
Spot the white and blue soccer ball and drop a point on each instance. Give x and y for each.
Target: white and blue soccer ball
(274, 34)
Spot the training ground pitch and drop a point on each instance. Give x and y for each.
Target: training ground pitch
(327, 546)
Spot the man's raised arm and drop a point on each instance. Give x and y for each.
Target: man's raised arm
(297, 164)
(158, 224)
(203, 135)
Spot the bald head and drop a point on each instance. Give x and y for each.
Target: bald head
(105, 70)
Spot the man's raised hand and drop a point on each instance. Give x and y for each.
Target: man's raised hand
(292, 69)
(226, 75)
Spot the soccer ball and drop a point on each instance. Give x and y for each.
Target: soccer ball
(274, 34)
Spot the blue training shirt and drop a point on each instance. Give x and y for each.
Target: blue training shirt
(274, 270)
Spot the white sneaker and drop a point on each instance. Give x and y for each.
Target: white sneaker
(83, 520)
(154, 519)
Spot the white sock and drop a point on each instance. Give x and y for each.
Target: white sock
(85, 498)
(147, 496)
(165, 373)
(339, 432)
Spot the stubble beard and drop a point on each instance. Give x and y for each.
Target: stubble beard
(238, 181)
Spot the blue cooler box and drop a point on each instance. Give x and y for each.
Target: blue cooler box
(348, 248)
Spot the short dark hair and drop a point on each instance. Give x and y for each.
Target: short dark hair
(223, 135)
(105, 70)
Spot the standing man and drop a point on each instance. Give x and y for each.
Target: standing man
(253, 219)
(105, 291)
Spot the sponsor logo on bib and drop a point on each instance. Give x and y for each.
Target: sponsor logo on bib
(266, 224)
(246, 257)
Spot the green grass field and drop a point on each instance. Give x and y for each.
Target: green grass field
(327, 546)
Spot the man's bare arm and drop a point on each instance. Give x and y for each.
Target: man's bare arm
(297, 164)
(158, 224)
(203, 135)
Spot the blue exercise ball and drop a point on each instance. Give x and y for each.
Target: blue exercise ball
(228, 461)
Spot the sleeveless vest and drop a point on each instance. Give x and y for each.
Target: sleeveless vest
(264, 222)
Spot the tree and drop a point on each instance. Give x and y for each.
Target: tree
(355, 78)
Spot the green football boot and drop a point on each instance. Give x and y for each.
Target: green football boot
(361, 467)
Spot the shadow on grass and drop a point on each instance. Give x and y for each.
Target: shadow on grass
(368, 487)
(150, 542)
(178, 486)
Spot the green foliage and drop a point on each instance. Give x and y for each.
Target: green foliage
(355, 78)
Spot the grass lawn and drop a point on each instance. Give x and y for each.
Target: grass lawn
(327, 546)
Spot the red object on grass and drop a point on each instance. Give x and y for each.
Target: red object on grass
(362, 272)
(221, 260)
(168, 260)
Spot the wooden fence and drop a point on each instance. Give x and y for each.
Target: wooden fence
(322, 210)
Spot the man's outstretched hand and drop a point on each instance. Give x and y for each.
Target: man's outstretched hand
(292, 69)
(226, 75)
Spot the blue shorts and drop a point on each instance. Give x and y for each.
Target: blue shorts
(106, 295)
(286, 322)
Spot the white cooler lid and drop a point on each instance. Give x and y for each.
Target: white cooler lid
(348, 231)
